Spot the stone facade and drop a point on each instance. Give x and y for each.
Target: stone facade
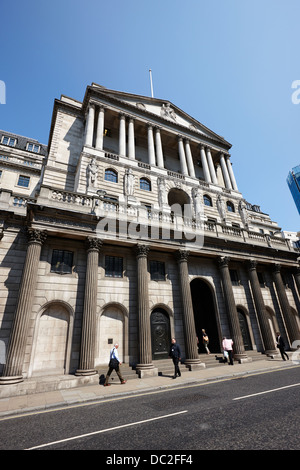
(129, 227)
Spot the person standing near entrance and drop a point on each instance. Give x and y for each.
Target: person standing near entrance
(227, 345)
(114, 364)
(205, 341)
(175, 354)
(281, 346)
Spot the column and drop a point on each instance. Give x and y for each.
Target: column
(225, 172)
(89, 130)
(151, 150)
(145, 366)
(122, 136)
(192, 360)
(211, 166)
(233, 319)
(159, 150)
(16, 352)
(297, 278)
(131, 143)
(182, 157)
(100, 129)
(88, 329)
(205, 165)
(189, 159)
(267, 338)
(289, 319)
(231, 174)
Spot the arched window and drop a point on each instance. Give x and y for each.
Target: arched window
(111, 175)
(207, 200)
(230, 206)
(145, 184)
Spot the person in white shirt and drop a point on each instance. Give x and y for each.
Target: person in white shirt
(114, 364)
(227, 346)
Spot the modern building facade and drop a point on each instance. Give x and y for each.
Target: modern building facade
(293, 181)
(129, 227)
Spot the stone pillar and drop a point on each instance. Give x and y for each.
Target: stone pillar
(151, 150)
(205, 165)
(182, 157)
(122, 136)
(231, 174)
(225, 172)
(211, 166)
(88, 329)
(189, 159)
(289, 319)
(233, 319)
(159, 150)
(89, 130)
(268, 340)
(192, 360)
(145, 366)
(100, 129)
(297, 278)
(16, 352)
(131, 143)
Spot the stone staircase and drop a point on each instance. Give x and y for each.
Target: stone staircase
(166, 368)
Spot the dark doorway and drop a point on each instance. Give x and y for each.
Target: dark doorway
(205, 315)
(160, 334)
(244, 330)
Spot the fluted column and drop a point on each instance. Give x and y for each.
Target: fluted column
(211, 166)
(159, 150)
(131, 143)
(231, 174)
(205, 164)
(297, 278)
(16, 352)
(192, 360)
(225, 172)
(182, 157)
(88, 329)
(122, 136)
(233, 319)
(89, 131)
(189, 159)
(267, 338)
(100, 129)
(289, 319)
(151, 149)
(145, 365)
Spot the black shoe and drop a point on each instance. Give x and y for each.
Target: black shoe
(174, 376)
(179, 375)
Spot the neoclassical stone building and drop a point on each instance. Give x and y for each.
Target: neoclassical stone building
(129, 227)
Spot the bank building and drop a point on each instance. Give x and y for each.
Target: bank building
(129, 227)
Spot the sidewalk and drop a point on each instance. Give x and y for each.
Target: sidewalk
(38, 402)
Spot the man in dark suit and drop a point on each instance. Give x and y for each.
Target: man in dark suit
(175, 354)
(281, 346)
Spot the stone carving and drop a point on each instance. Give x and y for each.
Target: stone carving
(243, 212)
(129, 182)
(162, 192)
(198, 202)
(221, 207)
(92, 174)
(167, 111)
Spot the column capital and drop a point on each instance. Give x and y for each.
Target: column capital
(251, 264)
(276, 267)
(223, 261)
(141, 251)
(94, 244)
(182, 255)
(36, 235)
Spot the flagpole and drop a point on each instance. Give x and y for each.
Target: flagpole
(150, 71)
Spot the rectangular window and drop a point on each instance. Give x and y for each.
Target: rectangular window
(113, 266)
(23, 181)
(261, 279)
(157, 270)
(11, 141)
(62, 262)
(33, 147)
(234, 277)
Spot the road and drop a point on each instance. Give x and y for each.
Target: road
(258, 412)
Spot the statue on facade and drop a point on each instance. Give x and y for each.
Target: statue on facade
(129, 182)
(198, 202)
(243, 212)
(92, 174)
(162, 192)
(167, 111)
(221, 207)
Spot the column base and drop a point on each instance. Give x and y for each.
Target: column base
(11, 380)
(242, 358)
(146, 370)
(85, 372)
(194, 364)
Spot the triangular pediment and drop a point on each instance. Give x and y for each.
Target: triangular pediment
(163, 109)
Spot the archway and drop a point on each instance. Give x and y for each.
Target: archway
(160, 334)
(244, 329)
(180, 203)
(111, 332)
(205, 314)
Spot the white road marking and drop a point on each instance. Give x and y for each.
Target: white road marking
(267, 391)
(105, 430)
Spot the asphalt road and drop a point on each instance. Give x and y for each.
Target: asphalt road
(259, 412)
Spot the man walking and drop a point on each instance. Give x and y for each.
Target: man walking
(227, 346)
(281, 346)
(114, 364)
(175, 354)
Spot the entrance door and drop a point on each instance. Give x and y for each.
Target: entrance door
(244, 330)
(160, 334)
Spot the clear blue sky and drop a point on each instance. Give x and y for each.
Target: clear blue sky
(228, 63)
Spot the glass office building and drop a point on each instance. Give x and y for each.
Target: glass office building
(293, 181)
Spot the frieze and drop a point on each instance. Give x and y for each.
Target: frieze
(70, 223)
